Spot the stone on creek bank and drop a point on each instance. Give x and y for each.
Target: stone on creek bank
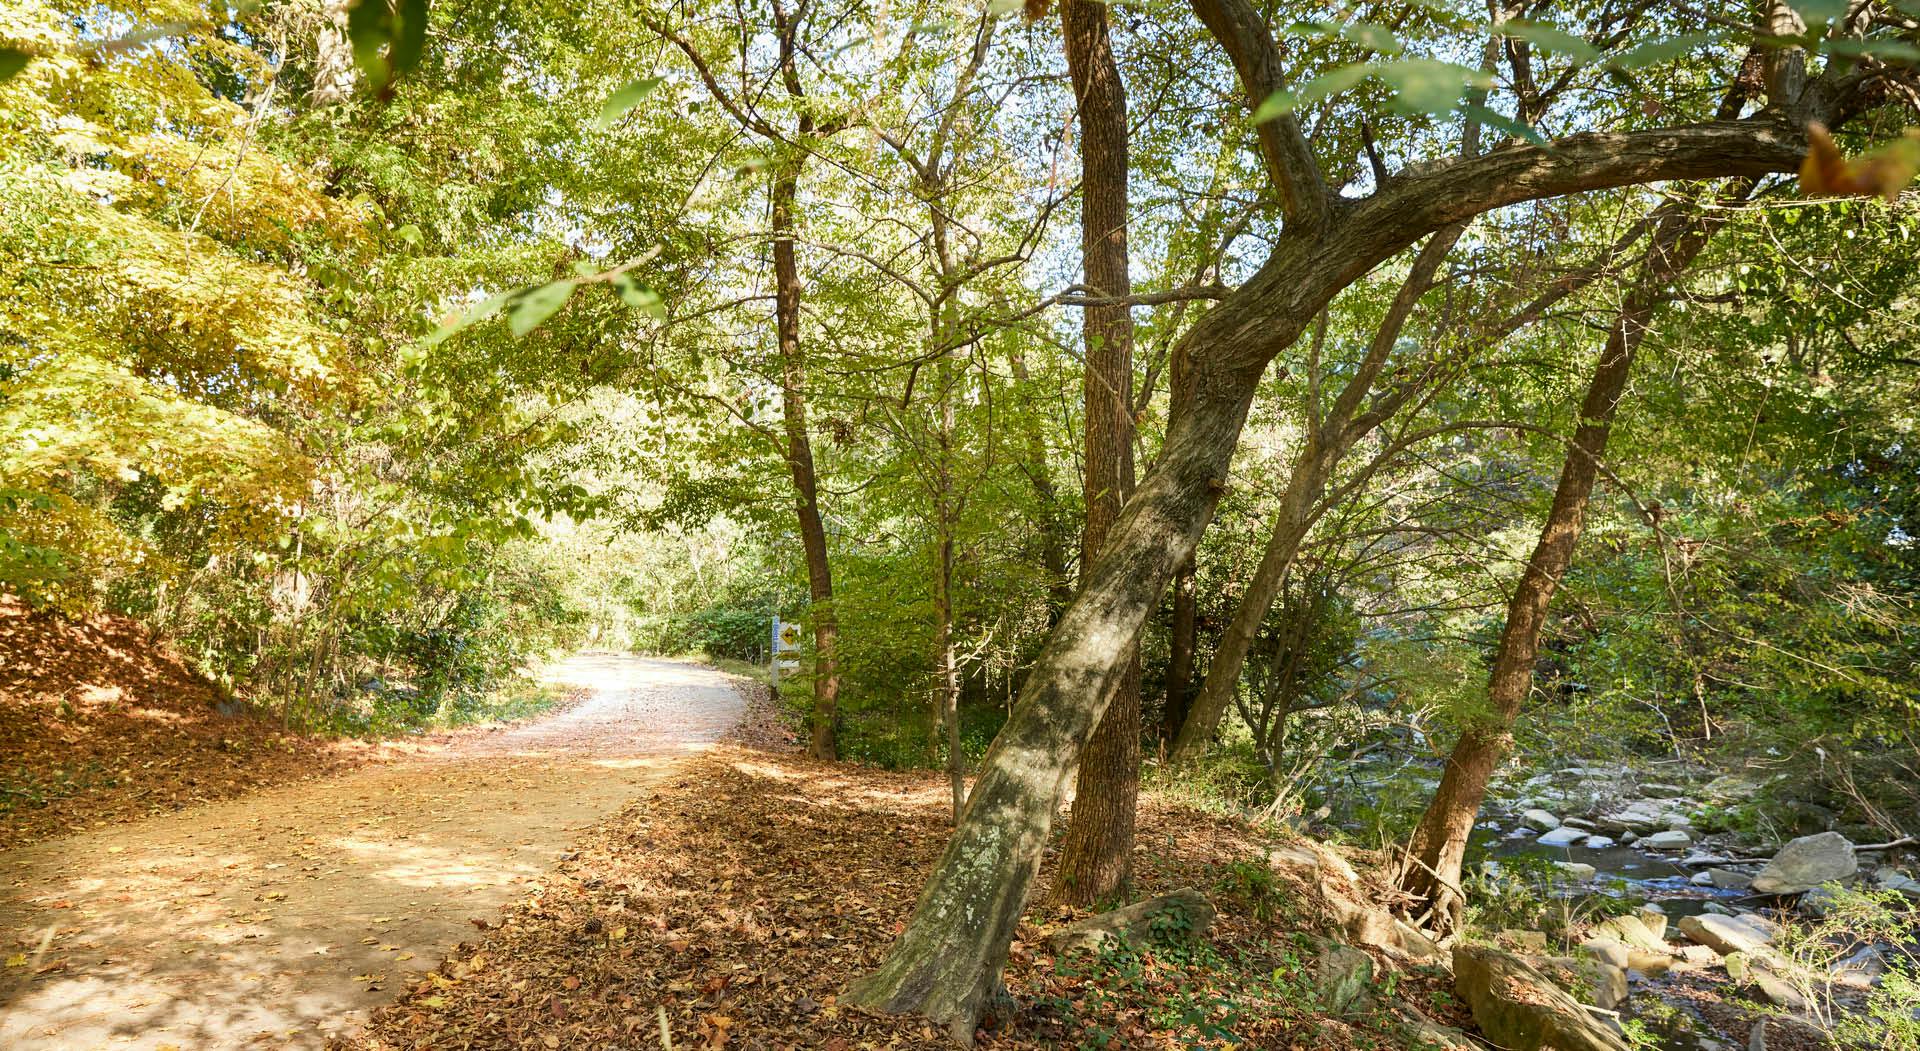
(1644, 931)
(1519, 1008)
(1564, 836)
(1183, 915)
(1806, 863)
(1671, 839)
(1539, 820)
(1726, 934)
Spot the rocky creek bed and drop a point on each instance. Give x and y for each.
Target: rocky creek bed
(1706, 934)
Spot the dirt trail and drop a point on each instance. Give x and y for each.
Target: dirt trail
(279, 919)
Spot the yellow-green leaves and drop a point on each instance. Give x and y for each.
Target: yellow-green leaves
(388, 38)
(12, 61)
(1419, 85)
(623, 100)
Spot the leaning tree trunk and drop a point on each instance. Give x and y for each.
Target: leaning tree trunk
(1096, 861)
(1431, 876)
(806, 488)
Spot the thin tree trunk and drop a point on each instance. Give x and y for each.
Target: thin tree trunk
(1432, 875)
(947, 686)
(1096, 860)
(793, 403)
(1183, 636)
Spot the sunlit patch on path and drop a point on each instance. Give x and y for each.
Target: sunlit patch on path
(280, 918)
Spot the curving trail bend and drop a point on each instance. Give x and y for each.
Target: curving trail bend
(281, 918)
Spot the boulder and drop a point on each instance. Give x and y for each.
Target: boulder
(1522, 941)
(1579, 822)
(1698, 955)
(1817, 902)
(1578, 871)
(1778, 990)
(1634, 931)
(1862, 970)
(1725, 934)
(1806, 863)
(1342, 977)
(1598, 842)
(1564, 836)
(1637, 818)
(1671, 839)
(1310, 864)
(1518, 1008)
(1425, 1034)
(1701, 879)
(1182, 915)
(1589, 978)
(1701, 857)
(1539, 820)
(1727, 879)
(1891, 878)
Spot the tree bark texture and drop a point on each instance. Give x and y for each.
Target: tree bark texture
(1096, 860)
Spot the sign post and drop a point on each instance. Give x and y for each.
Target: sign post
(785, 656)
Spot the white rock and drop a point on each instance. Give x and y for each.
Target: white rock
(1598, 842)
(1725, 934)
(1577, 871)
(1702, 879)
(1562, 837)
(1671, 839)
(1539, 820)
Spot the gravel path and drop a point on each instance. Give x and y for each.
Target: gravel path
(279, 919)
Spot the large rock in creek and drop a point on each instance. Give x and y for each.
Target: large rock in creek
(1725, 934)
(1636, 931)
(1183, 915)
(1518, 1008)
(1807, 862)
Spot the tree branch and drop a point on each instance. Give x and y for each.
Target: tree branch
(1244, 35)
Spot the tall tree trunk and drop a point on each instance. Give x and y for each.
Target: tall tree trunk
(1183, 635)
(1096, 861)
(1431, 875)
(806, 488)
(947, 668)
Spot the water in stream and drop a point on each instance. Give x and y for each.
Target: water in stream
(1657, 878)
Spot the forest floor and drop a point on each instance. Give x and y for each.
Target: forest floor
(280, 918)
(732, 907)
(99, 725)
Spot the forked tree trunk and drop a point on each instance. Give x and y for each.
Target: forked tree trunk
(806, 488)
(1096, 861)
(1431, 875)
(947, 960)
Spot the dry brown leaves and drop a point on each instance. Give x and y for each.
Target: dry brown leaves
(99, 725)
(739, 901)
